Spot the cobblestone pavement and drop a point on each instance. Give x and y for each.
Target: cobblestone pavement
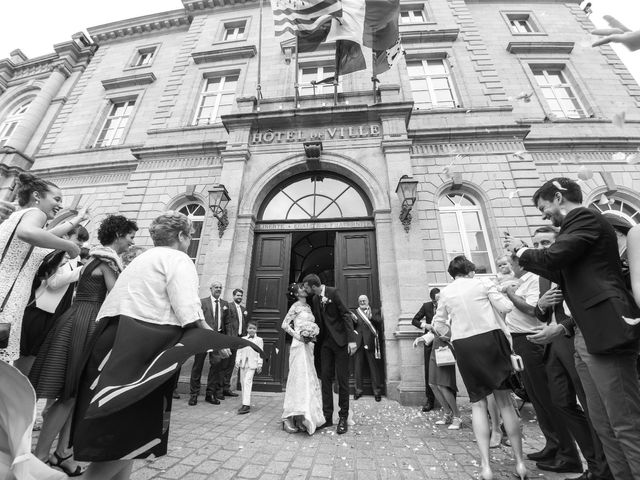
(389, 441)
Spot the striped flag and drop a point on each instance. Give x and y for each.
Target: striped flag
(293, 16)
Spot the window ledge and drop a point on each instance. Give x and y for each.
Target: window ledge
(428, 36)
(136, 67)
(221, 54)
(129, 81)
(540, 47)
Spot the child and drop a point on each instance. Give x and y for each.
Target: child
(248, 362)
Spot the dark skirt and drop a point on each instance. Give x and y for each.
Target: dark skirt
(441, 376)
(36, 325)
(56, 370)
(139, 430)
(484, 362)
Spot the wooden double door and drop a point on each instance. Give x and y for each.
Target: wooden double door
(354, 270)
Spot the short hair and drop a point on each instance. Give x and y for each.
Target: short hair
(215, 282)
(433, 292)
(252, 322)
(237, 290)
(28, 183)
(461, 265)
(80, 232)
(312, 280)
(506, 257)
(165, 228)
(515, 259)
(569, 189)
(114, 227)
(546, 229)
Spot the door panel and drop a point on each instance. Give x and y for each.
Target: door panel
(268, 303)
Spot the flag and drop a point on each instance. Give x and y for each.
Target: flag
(383, 60)
(294, 16)
(382, 33)
(348, 32)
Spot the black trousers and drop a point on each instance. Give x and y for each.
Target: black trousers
(536, 384)
(427, 388)
(215, 379)
(228, 365)
(334, 363)
(565, 385)
(365, 355)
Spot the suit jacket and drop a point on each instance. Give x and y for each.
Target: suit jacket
(426, 311)
(584, 262)
(207, 309)
(234, 321)
(249, 358)
(334, 318)
(364, 335)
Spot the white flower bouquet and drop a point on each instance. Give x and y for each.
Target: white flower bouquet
(308, 331)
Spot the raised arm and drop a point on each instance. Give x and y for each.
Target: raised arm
(30, 230)
(62, 278)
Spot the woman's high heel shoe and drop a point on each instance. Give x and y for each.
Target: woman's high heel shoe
(60, 463)
(521, 472)
(288, 426)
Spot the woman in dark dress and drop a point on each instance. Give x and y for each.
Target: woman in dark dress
(56, 370)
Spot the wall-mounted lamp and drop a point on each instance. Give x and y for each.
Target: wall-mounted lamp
(218, 201)
(406, 191)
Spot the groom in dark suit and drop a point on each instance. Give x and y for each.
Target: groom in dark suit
(337, 340)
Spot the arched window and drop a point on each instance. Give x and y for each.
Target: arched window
(196, 214)
(315, 197)
(619, 207)
(12, 119)
(464, 230)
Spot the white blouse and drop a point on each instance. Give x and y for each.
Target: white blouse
(159, 286)
(467, 306)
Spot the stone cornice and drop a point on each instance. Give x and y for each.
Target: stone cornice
(587, 143)
(139, 25)
(77, 170)
(196, 6)
(129, 81)
(485, 132)
(222, 54)
(540, 47)
(429, 36)
(201, 149)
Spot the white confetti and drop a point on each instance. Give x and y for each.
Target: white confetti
(519, 154)
(513, 194)
(619, 157)
(525, 97)
(585, 173)
(604, 200)
(633, 159)
(619, 119)
(558, 186)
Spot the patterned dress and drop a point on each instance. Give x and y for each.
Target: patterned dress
(11, 270)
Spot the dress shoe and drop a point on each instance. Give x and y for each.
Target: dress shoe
(427, 407)
(356, 396)
(327, 423)
(378, 398)
(560, 466)
(244, 409)
(176, 395)
(342, 426)
(193, 399)
(587, 475)
(229, 393)
(220, 397)
(212, 400)
(544, 455)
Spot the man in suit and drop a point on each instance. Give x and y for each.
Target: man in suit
(421, 320)
(367, 325)
(236, 327)
(584, 262)
(337, 342)
(216, 313)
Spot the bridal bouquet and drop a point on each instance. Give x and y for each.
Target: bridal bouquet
(308, 331)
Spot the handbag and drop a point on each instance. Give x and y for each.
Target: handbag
(444, 356)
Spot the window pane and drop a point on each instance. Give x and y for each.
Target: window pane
(230, 83)
(213, 84)
(352, 205)
(471, 221)
(453, 242)
(296, 213)
(415, 69)
(440, 83)
(482, 262)
(436, 67)
(332, 212)
(277, 207)
(306, 204)
(476, 241)
(449, 222)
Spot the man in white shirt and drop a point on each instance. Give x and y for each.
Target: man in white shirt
(560, 447)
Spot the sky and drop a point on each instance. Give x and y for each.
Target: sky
(47, 22)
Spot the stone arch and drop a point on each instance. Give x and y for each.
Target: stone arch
(19, 96)
(376, 192)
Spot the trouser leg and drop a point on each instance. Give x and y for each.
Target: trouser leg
(212, 377)
(228, 371)
(196, 373)
(328, 365)
(374, 372)
(427, 388)
(246, 380)
(342, 374)
(358, 364)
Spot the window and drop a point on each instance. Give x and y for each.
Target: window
(218, 95)
(521, 23)
(11, 121)
(144, 57)
(558, 92)
(413, 15)
(618, 207)
(114, 127)
(234, 31)
(464, 230)
(316, 198)
(196, 213)
(431, 84)
(315, 75)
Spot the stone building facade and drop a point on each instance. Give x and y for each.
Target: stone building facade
(491, 99)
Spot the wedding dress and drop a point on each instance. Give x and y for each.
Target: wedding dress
(303, 395)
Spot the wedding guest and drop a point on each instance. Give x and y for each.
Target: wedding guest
(23, 246)
(150, 323)
(367, 325)
(421, 320)
(248, 362)
(482, 345)
(584, 262)
(505, 276)
(237, 318)
(57, 367)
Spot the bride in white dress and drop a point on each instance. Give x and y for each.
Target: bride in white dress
(303, 397)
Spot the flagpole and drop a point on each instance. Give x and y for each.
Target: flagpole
(335, 76)
(259, 86)
(296, 86)
(374, 77)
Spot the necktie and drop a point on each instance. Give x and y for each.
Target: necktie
(239, 310)
(216, 318)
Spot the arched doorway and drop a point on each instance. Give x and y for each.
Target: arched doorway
(316, 222)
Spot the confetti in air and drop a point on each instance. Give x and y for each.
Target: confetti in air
(619, 119)
(604, 200)
(558, 186)
(519, 154)
(633, 159)
(585, 173)
(525, 97)
(619, 157)
(514, 193)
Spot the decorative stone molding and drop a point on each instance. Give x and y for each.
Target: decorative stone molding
(129, 81)
(451, 149)
(222, 54)
(430, 36)
(543, 48)
(461, 134)
(139, 25)
(199, 5)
